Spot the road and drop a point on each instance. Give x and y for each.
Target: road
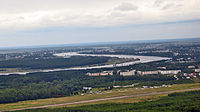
(104, 99)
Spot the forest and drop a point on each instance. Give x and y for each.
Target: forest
(50, 63)
(33, 86)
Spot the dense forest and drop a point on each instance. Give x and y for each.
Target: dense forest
(41, 63)
(175, 102)
(32, 86)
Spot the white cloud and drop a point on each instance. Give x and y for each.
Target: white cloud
(167, 6)
(157, 3)
(28, 14)
(126, 7)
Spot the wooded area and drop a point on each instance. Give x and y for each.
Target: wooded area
(52, 62)
(32, 86)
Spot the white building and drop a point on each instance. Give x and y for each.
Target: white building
(197, 70)
(104, 73)
(169, 72)
(164, 72)
(191, 66)
(148, 72)
(128, 73)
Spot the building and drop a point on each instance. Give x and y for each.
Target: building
(197, 70)
(166, 72)
(93, 74)
(128, 73)
(104, 73)
(163, 68)
(191, 67)
(133, 72)
(148, 72)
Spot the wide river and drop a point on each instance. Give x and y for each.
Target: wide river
(143, 59)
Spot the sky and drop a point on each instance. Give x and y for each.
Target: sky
(48, 22)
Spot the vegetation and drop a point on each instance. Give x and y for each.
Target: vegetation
(99, 93)
(14, 88)
(52, 62)
(66, 83)
(179, 102)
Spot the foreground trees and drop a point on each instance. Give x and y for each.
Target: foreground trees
(66, 83)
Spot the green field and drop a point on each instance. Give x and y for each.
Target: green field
(175, 102)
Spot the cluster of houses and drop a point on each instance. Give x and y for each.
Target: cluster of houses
(161, 70)
(134, 72)
(164, 72)
(190, 75)
(194, 74)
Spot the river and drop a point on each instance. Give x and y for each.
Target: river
(143, 59)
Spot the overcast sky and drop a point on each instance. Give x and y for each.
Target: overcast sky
(42, 22)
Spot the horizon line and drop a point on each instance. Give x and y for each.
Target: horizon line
(94, 43)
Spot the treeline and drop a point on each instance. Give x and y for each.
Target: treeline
(32, 86)
(51, 63)
(175, 102)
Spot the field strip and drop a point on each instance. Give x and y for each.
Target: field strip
(104, 99)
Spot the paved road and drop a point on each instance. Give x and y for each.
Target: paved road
(103, 99)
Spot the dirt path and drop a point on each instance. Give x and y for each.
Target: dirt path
(103, 99)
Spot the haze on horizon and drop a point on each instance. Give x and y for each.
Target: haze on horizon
(45, 22)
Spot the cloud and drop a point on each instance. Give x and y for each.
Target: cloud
(157, 3)
(167, 6)
(85, 35)
(31, 22)
(33, 14)
(126, 7)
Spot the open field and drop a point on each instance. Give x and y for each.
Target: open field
(174, 102)
(105, 94)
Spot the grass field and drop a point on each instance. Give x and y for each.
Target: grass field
(175, 102)
(105, 94)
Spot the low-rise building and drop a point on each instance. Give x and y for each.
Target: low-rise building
(191, 67)
(93, 74)
(104, 73)
(148, 72)
(197, 70)
(166, 72)
(128, 73)
(163, 68)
